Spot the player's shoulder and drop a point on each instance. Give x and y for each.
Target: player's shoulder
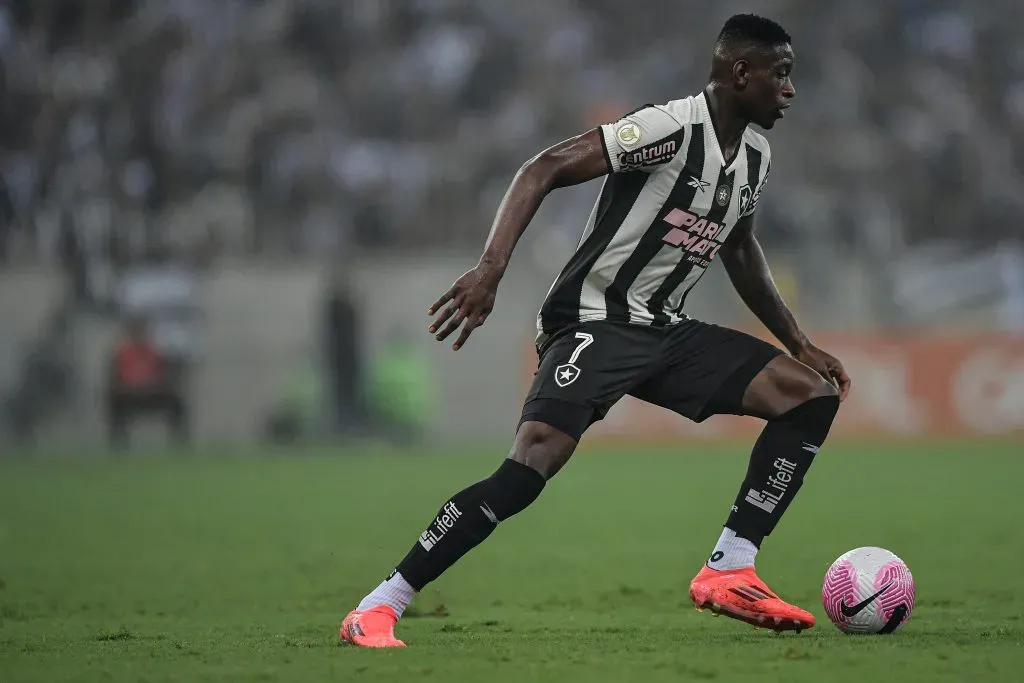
(757, 141)
(685, 111)
(681, 112)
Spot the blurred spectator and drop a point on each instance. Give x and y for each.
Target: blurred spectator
(163, 289)
(343, 355)
(140, 386)
(44, 383)
(296, 126)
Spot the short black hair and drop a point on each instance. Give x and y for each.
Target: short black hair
(748, 29)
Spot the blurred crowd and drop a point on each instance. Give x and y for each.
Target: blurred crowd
(301, 126)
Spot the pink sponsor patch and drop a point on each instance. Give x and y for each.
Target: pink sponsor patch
(680, 218)
(675, 236)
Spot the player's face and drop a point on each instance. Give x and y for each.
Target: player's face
(769, 88)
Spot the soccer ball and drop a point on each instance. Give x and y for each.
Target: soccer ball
(868, 590)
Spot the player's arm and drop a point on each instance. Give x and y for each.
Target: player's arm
(471, 299)
(570, 162)
(641, 141)
(749, 273)
(748, 270)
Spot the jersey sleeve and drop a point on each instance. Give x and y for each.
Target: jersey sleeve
(644, 140)
(751, 204)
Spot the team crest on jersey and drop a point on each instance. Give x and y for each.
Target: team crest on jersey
(745, 196)
(748, 198)
(628, 134)
(566, 374)
(723, 195)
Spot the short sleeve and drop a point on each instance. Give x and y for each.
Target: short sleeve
(749, 205)
(644, 140)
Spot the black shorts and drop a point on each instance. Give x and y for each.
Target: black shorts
(692, 368)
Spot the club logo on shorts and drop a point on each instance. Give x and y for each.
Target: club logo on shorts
(723, 195)
(566, 374)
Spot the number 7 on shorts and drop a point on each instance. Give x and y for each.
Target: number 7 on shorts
(567, 373)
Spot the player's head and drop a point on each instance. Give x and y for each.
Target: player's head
(753, 58)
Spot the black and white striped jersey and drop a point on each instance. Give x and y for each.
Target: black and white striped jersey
(662, 215)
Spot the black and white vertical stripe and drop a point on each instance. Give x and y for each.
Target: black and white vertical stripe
(624, 270)
(650, 254)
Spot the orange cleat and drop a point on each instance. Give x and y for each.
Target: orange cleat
(374, 627)
(740, 594)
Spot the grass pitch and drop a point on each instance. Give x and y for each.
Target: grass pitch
(240, 569)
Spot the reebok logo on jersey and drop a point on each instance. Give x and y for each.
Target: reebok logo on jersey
(778, 483)
(698, 184)
(436, 531)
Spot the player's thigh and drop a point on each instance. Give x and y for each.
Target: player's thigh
(584, 370)
(707, 370)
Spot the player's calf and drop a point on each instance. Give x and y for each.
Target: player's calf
(472, 514)
(800, 408)
(469, 517)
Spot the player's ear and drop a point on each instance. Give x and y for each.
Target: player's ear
(741, 73)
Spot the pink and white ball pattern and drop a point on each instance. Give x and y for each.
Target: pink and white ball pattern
(856, 576)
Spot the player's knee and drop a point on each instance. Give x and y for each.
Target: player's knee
(814, 408)
(821, 388)
(813, 391)
(796, 385)
(542, 448)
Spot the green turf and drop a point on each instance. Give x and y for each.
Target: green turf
(239, 569)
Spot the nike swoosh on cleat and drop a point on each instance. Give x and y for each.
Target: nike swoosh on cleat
(859, 607)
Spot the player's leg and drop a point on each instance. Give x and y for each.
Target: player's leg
(573, 387)
(799, 407)
(715, 370)
(462, 523)
(468, 518)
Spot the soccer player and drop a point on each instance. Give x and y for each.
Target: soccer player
(683, 180)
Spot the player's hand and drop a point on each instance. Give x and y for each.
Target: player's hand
(470, 300)
(827, 366)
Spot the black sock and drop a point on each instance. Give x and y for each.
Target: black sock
(781, 457)
(468, 518)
